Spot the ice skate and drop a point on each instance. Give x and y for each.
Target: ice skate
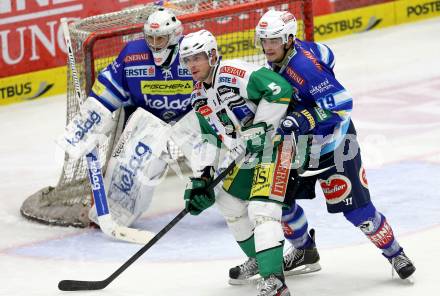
(272, 286)
(300, 261)
(245, 273)
(402, 265)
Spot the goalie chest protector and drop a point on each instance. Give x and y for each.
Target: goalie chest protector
(134, 79)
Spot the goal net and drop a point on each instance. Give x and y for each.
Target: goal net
(97, 40)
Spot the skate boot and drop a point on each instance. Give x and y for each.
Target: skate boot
(300, 261)
(402, 265)
(272, 286)
(245, 273)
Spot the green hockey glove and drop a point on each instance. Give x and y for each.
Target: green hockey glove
(255, 137)
(197, 197)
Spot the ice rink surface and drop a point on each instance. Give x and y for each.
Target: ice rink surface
(394, 76)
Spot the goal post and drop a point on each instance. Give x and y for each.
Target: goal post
(96, 42)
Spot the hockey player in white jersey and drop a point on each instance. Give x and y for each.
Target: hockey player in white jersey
(237, 101)
(146, 75)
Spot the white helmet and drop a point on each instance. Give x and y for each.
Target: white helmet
(163, 23)
(277, 24)
(200, 41)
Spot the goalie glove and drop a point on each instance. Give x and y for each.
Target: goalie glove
(87, 129)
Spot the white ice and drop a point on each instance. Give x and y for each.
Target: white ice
(394, 76)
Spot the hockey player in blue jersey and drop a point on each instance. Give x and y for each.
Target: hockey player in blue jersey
(147, 72)
(146, 75)
(320, 119)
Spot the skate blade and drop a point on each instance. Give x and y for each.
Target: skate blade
(249, 281)
(308, 268)
(409, 280)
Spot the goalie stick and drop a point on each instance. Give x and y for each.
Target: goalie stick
(73, 285)
(106, 223)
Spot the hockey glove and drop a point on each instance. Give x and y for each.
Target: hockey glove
(296, 123)
(197, 197)
(255, 137)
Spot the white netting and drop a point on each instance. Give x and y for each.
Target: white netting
(97, 40)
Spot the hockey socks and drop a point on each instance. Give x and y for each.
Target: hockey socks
(295, 227)
(248, 246)
(271, 261)
(269, 238)
(375, 226)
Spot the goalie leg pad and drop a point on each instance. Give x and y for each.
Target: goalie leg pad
(236, 215)
(266, 218)
(134, 169)
(129, 196)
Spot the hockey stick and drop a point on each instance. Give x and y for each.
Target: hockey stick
(106, 223)
(72, 285)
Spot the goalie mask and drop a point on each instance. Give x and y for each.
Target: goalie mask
(197, 42)
(276, 24)
(162, 32)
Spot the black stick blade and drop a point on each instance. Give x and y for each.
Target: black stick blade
(69, 285)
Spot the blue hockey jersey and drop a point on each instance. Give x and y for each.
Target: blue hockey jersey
(134, 80)
(309, 69)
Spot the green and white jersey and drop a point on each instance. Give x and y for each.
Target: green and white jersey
(241, 94)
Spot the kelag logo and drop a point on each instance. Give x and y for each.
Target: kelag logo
(128, 172)
(83, 127)
(95, 174)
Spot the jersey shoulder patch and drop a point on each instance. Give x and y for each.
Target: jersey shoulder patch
(237, 68)
(231, 70)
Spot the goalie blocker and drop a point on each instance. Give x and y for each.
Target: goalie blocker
(87, 129)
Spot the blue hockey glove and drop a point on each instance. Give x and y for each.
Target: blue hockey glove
(255, 136)
(296, 123)
(197, 197)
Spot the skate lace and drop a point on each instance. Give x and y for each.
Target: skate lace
(249, 267)
(264, 286)
(293, 256)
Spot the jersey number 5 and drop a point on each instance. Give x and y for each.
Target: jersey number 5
(276, 89)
